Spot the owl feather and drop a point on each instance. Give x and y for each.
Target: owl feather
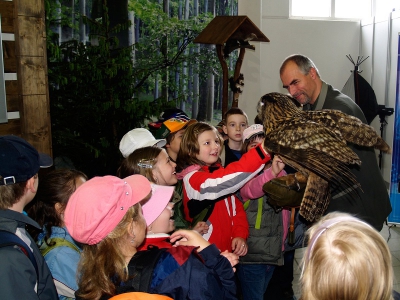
(315, 144)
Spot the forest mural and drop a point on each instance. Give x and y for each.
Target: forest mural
(116, 65)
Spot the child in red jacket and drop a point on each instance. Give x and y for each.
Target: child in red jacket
(209, 189)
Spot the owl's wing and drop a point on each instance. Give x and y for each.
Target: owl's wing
(350, 128)
(314, 148)
(316, 196)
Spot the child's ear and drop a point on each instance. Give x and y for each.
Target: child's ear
(30, 185)
(58, 208)
(225, 129)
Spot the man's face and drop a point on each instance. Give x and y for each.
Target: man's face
(302, 87)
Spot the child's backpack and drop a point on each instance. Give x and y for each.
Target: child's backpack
(140, 269)
(11, 239)
(44, 248)
(56, 242)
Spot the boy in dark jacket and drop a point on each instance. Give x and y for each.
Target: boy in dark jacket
(20, 278)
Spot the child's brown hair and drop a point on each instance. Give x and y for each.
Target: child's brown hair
(235, 111)
(190, 145)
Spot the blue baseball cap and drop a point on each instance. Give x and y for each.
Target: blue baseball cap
(19, 160)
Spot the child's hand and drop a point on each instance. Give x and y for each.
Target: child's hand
(188, 238)
(277, 165)
(239, 246)
(233, 258)
(201, 227)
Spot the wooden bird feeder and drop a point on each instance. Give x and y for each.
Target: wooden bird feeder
(229, 33)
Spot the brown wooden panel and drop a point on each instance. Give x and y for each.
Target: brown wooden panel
(7, 16)
(10, 60)
(12, 102)
(35, 114)
(40, 140)
(11, 87)
(35, 122)
(33, 8)
(30, 36)
(32, 76)
(12, 127)
(12, 95)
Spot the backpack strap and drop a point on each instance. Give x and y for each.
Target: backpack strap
(11, 239)
(58, 242)
(260, 200)
(141, 268)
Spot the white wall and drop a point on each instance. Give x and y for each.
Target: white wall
(380, 70)
(327, 43)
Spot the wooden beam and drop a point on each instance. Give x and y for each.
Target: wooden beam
(220, 54)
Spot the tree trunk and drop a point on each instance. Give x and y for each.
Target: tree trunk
(201, 116)
(118, 14)
(196, 49)
(82, 26)
(164, 51)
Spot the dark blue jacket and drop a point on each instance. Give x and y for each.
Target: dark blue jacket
(192, 275)
(182, 274)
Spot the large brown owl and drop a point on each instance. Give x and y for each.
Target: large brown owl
(315, 143)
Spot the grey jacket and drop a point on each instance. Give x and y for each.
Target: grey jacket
(265, 243)
(18, 279)
(373, 206)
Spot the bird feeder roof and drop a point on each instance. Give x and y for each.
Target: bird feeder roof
(222, 28)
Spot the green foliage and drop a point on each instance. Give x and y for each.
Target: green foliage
(92, 90)
(95, 88)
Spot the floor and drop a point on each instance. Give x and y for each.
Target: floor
(394, 245)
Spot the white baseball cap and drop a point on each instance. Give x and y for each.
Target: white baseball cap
(252, 130)
(138, 138)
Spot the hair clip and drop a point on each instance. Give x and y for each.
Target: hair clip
(145, 163)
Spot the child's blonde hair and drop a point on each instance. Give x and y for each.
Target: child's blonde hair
(346, 259)
(190, 145)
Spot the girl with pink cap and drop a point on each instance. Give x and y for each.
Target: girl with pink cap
(105, 215)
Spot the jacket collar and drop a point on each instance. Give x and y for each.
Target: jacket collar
(19, 217)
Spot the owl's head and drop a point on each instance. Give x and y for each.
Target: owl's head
(274, 108)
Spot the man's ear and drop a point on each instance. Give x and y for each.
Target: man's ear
(313, 73)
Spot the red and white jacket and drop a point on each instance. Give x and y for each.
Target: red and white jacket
(217, 185)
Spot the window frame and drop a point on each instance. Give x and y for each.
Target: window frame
(332, 13)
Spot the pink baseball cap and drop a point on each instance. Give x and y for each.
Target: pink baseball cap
(252, 130)
(159, 200)
(98, 205)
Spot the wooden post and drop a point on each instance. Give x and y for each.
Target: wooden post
(238, 66)
(224, 66)
(30, 44)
